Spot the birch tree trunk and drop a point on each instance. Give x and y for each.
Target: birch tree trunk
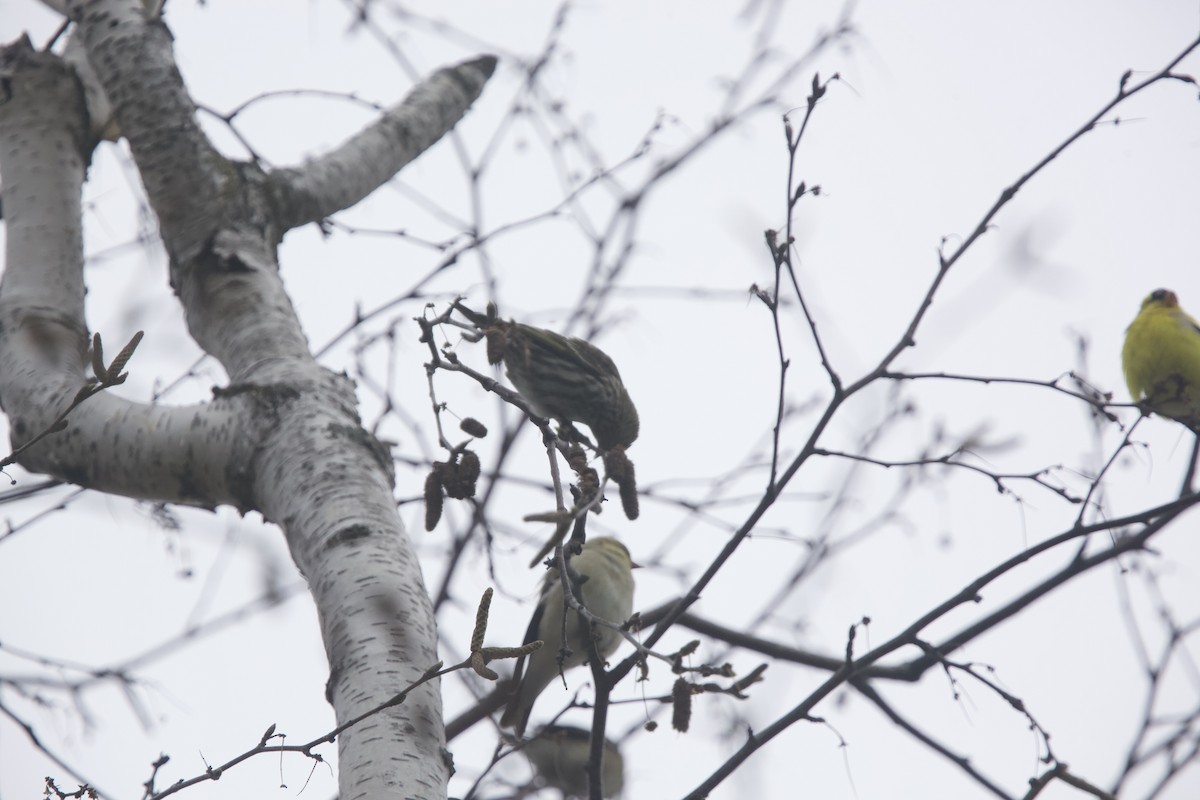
(283, 437)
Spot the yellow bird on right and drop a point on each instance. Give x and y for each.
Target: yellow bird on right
(1161, 359)
(605, 585)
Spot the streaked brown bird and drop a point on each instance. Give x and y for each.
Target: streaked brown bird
(561, 377)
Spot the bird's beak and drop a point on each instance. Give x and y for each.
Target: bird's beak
(634, 565)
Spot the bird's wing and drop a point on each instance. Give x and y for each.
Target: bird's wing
(531, 633)
(594, 359)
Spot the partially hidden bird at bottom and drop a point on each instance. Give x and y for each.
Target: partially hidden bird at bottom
(1161, 359)
(559, 754)
(606, 589)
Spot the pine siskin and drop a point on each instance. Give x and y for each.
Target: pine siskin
(562, 377)
(607, 593)
(1161, 359)
(559, 754)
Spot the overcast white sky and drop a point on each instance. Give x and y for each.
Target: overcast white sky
(941, 104)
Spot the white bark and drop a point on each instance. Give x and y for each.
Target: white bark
(284, 437)
(346, 175)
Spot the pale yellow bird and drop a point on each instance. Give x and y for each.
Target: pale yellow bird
(1161, 359)
(607, 593)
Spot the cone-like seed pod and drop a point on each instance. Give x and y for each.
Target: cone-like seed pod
(468, 472)
(473, 427)
(433, 500)
(681, 705)
(458, 477)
